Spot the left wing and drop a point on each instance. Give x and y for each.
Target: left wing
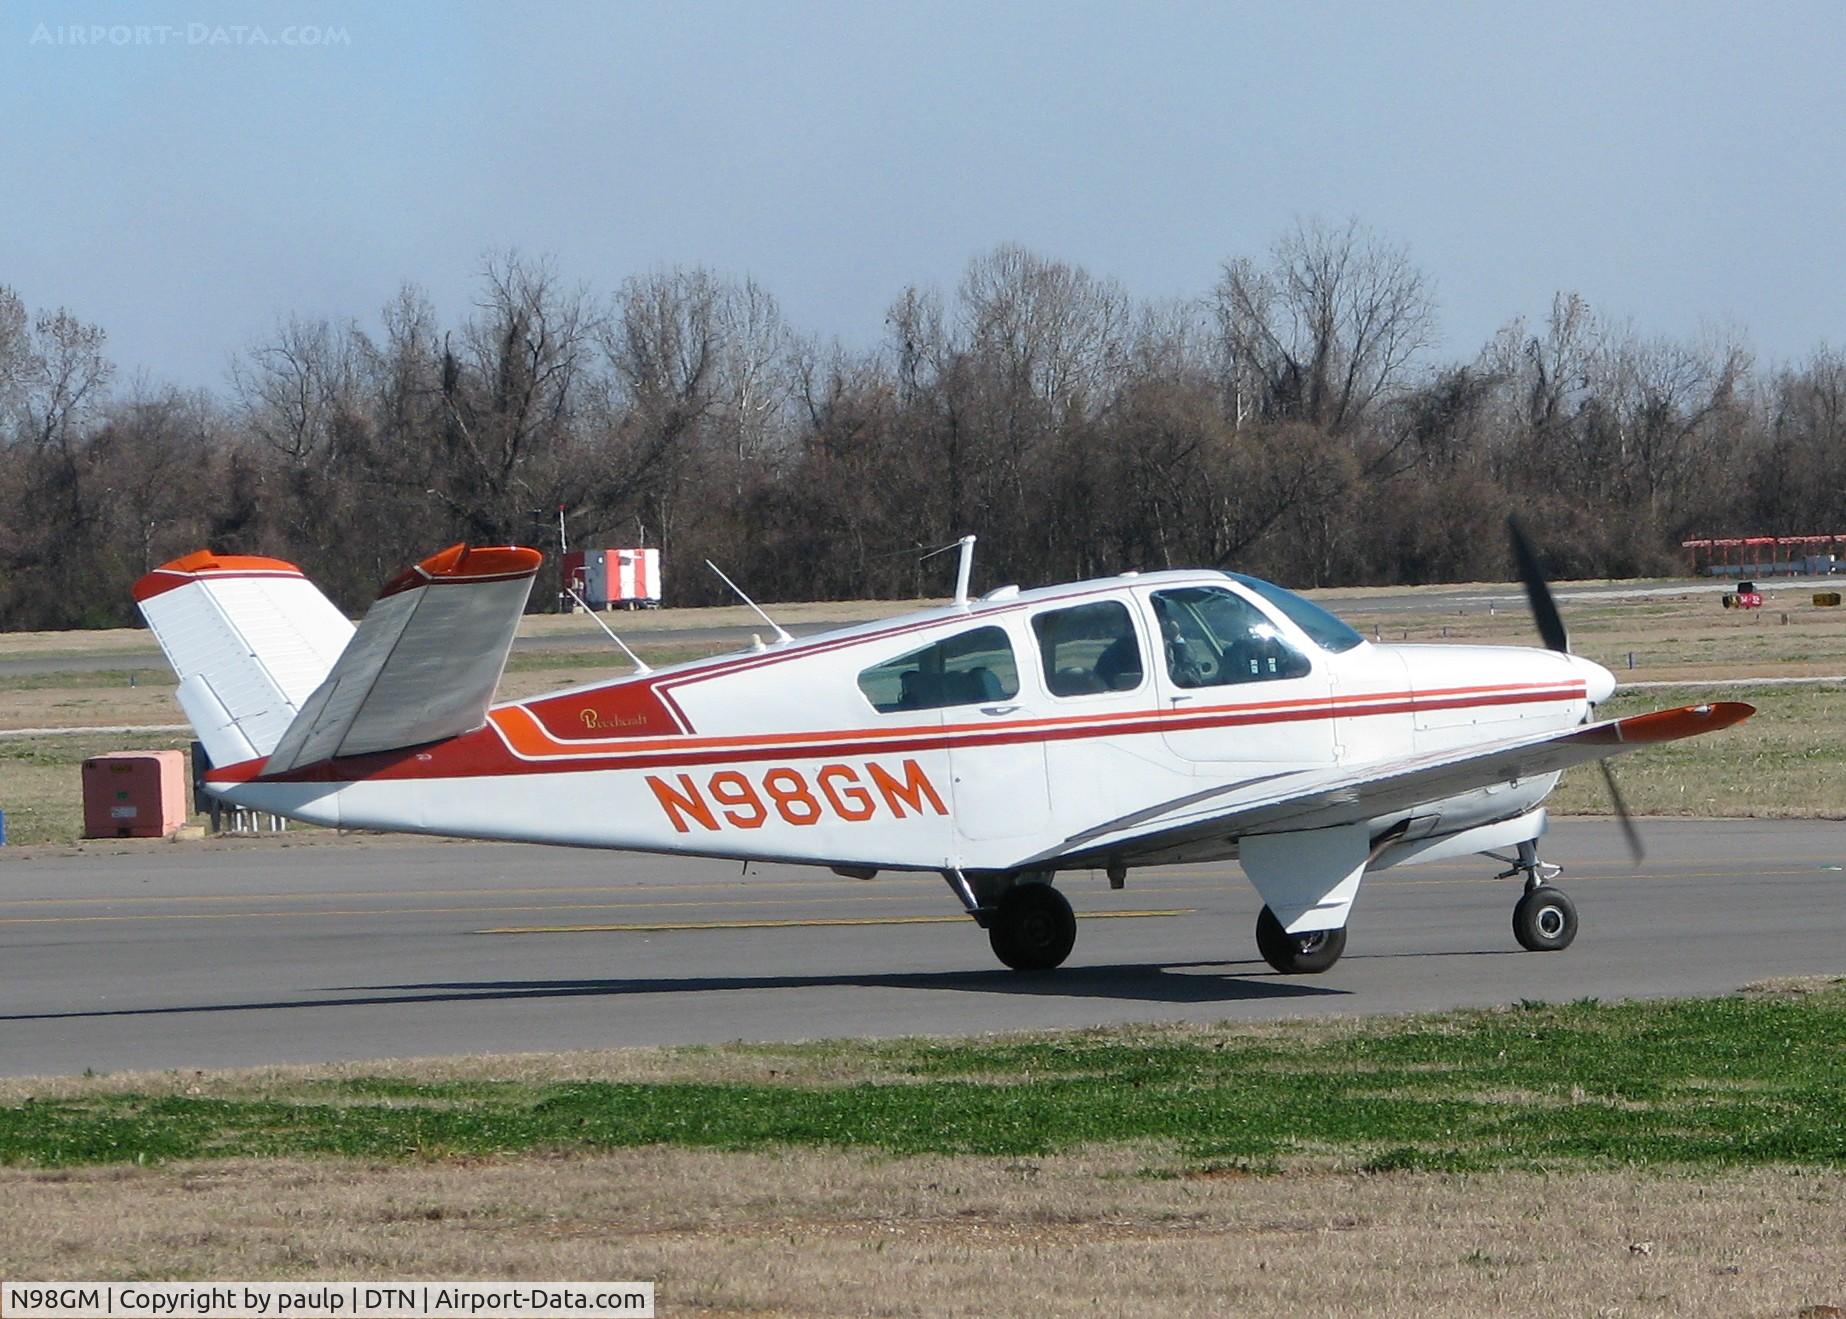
(1301, 800)
(425, 660)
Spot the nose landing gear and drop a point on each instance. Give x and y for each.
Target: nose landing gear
(1544, 918)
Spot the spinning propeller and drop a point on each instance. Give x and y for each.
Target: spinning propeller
(1552, 632)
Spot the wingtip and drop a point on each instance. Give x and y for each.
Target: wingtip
(187, 568)
(1687, 721)
(463, 563)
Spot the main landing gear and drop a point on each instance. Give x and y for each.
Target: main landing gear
(1028, 922)
(1544, 918)
(1297, 954)
(1032, 928)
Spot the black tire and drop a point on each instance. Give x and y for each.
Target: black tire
(1297, 954)
(1033, 928)
(1545, 920)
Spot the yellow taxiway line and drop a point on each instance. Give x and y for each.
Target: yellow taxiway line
(648, 927)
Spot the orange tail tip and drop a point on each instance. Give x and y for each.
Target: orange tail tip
(461, 564)
(204, 563)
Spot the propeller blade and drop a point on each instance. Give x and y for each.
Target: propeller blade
(1538, 593)
(1632, 834)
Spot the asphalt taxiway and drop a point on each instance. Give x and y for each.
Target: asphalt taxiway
(248, 952)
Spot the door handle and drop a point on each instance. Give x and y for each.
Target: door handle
(998, 709)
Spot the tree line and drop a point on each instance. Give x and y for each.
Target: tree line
(1292, 421)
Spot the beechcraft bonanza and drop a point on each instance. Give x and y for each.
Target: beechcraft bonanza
(1139, 720)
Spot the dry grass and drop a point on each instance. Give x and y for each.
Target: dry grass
(41, 780)
(127, 640)
(783, 1064)
(1672, 636)
(822, 1062)
(1785, 761)
(643, 621)
(817, 1232)
(80, 700)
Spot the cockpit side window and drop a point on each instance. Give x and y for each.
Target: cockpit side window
(965, 669)
(1214, 637)
(1089, 648)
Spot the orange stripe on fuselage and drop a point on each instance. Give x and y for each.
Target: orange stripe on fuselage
(527, 738)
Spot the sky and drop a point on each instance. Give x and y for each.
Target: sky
(187, 174)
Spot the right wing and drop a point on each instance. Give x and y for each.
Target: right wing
(423, 664)
(1299, 800)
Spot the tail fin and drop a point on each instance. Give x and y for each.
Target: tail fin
(425, 661)
(250, 639)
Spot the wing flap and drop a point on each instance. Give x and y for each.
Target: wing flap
(1327, 798)
(424, 663)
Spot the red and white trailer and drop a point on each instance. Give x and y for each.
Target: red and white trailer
(629, 578)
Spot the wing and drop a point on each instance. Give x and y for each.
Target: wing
(1346, 795)
(423, 664)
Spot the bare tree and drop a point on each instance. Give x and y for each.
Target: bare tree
(295, 386)
(508, 399)
(1327, 328)
(1053, 331)
(66, 379)
(752, 380)
(15, 355)
(1674, 404)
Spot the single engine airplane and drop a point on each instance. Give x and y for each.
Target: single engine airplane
(1138, 720)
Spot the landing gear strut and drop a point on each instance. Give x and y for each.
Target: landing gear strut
(1297, 954)
(1544, 919)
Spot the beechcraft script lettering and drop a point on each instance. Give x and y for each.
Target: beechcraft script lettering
(732, 799)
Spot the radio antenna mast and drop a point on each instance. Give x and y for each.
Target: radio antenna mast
(641, 665)
(963, 571)
(781, 636)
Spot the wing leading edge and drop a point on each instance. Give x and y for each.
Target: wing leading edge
(1349, 795)
(424, 663)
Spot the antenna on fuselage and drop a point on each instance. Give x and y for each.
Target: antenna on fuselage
(641, 665)
(964, 571)
(781, 636)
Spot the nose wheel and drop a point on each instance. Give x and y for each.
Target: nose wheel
(1544, 918)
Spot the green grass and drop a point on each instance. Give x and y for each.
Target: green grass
(1739, 1081)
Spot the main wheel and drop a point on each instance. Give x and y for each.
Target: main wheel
(1033, 928)
(1297, 954)
(1544, 921)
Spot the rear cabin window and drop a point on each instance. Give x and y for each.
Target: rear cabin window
(965, 669)
(1089, 648)
(1214, 637)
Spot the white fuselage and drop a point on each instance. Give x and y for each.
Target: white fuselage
(975, 738)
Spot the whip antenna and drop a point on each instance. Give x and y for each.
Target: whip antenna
(641, 665)
(780, 634)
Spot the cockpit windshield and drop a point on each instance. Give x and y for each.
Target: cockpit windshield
(1326, 631)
